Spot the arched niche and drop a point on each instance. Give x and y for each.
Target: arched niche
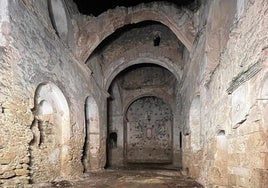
(52, 133)
(149, 125)
(195, 123)
(58, 17)
(53, 96)
(92, 138)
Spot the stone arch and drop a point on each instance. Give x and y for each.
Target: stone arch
(195, 123)
(116, 67)
(149, 131)
(116, 156)
(92, 137)
(180, 21)
(52, 132)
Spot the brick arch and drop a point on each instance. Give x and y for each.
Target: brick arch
(180, 21)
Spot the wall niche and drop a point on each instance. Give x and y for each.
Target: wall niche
(52, 131)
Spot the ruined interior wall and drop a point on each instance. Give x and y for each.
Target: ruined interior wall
(234, 134)
(247, 157)
(14, 160)
(149, 131)
(232, 144)
(132, 84)
(136, 46)
(180, 21)
(141, 40)
(189, 92)
(34, 54)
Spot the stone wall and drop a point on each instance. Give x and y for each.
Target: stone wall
(133, 47)
(53, 88)
(233, 133)
(133, 83)
(33, 54)
(179, 20)
(149, 131)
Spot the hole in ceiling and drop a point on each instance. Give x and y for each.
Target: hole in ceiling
(157, 40)
(95, 8)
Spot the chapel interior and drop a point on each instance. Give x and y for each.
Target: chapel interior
(134, 93)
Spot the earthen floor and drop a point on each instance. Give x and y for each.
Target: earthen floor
(130, 179)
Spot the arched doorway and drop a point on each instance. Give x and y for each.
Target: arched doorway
(92, 136)
(139, 82)
(52, 132)
(141, 69)
(148, 131)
